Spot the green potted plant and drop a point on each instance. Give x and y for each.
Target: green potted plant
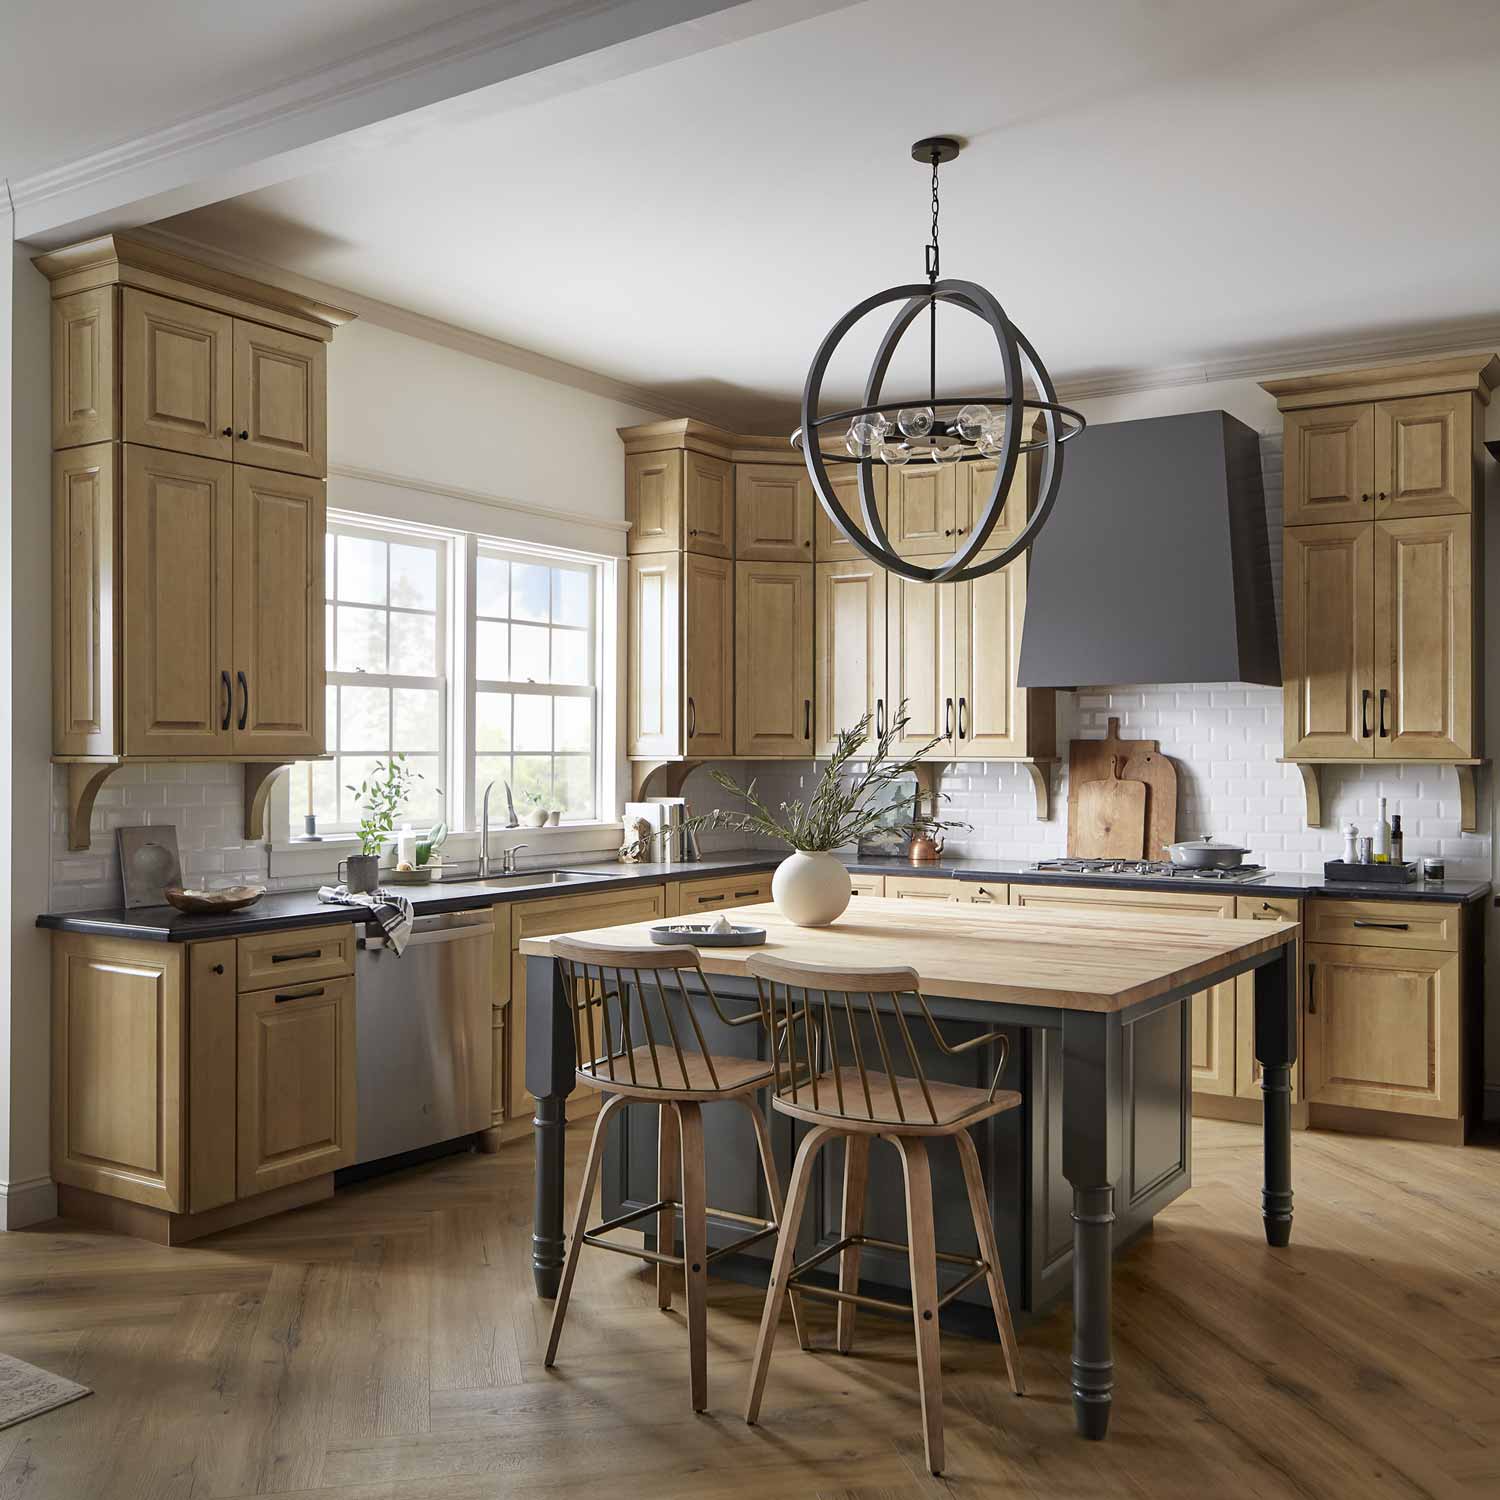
(380, 796)
(811, 885)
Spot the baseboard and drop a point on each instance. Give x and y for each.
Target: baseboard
(1245, 1111)
(23, 1204)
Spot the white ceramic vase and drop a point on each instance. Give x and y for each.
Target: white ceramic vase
(811, 889)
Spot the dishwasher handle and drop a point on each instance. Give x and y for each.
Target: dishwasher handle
(448, 927)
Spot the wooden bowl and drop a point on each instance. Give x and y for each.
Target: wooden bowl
(229, 898)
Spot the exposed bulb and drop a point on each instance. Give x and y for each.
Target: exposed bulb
(880, 422)
(992, 439)
(948, 454)
(971, 421)
(915, 421)
(895, 453)
(861, 440)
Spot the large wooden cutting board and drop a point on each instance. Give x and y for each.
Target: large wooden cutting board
(1140, 760)
(1112, 817)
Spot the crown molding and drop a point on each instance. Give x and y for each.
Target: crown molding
(430, 330)
(477, 497)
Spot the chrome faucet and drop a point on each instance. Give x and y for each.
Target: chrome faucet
(508, 858)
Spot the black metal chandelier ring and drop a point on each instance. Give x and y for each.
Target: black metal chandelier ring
(887, 408)
(871, 538)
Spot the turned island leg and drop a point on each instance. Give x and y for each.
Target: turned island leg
(1276, 1051)
(549, 1077)
(1091, 1162)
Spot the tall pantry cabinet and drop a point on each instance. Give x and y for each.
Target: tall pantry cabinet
(189, 434)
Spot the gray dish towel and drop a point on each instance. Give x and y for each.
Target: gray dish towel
(391, 912)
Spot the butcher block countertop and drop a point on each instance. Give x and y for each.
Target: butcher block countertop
(1093, 960)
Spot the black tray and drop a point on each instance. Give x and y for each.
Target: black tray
(1388, 874)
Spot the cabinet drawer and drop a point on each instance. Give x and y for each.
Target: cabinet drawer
(984, 893)
(924, 888)
(1384, 924)
(283, 958)
(867, 885)
(716, 893)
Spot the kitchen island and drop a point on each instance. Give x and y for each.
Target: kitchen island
(1096, 1006)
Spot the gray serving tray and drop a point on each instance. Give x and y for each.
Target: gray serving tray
(697, 935)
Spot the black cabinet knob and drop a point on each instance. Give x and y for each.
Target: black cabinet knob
(218, 968)
(228, 432)
(244, 437)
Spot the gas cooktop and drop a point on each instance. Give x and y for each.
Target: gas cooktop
(1149, 869)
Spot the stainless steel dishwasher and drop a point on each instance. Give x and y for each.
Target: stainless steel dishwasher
(423, 1049)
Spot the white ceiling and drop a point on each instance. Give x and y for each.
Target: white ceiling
(1146, 184)
(82, 76)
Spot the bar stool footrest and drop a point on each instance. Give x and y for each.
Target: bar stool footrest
(594, 1237)
(797, 1282)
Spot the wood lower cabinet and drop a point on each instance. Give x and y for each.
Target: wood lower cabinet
(925, 888)
(773, 667)
(1383, 1029)
(296, 1095)
(866, 885)
(849, 658)
(716, 892)
(1246, 1069)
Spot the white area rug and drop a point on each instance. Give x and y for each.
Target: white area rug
(26, 1391)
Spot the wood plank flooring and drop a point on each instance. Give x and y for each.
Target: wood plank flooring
(387, 1345)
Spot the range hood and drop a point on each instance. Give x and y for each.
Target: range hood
(1154, 566)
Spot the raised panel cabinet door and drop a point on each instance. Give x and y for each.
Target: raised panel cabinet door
(212, 1029)
(708, 647)
(976, 482)
(992, 711)
(654, 708)
(85, 368)
(177, 373)
(1329, 458)
(85, 600)
(708, 504)
(296, 1090)
(1424, 639)
(1329, 691)
(773, 659)
(1424, 456)
(279, 526)
(1211, 1045)
(177, 627)
(924, 510)
(653, 501)
(920, 664)
(280, 400)
(1382, 1028)
(829, 543)
(849, 609)
(773, 513)
(117, 1064)
(1246, 1069)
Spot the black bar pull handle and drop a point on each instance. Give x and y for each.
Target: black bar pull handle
(302, 995)
(1384, 698)
(963, 718)
(948, 720)
(692, 717)
(1312, 993)
(244, 699)
(1384, 926)
(228, 697)
(880, 718)
(296, 958)
(807, 718)
(1364, 713)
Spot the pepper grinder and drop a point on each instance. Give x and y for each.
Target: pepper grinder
(1351, 846)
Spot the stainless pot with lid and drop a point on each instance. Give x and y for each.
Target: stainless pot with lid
(1207, 853)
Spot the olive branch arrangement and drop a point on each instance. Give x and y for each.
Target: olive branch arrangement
(839, 812)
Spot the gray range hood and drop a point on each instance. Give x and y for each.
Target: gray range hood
(1154, 566)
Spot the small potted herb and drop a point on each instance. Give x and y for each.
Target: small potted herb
(380, 796)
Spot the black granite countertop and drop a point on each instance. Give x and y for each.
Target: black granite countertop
(303, 909)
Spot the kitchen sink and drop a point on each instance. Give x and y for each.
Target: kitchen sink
(534, 878)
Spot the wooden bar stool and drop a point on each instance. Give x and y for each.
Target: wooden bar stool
(834, 1026)
(631, 1015)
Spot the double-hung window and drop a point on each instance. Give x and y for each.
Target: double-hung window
(478, 659)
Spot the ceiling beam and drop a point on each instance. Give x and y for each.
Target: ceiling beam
(488, 61)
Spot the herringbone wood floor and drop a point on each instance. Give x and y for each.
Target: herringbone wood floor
(386, 1346)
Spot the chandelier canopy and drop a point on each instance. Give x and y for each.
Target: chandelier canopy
(938, 429)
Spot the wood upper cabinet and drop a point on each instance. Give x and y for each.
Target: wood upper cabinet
(680, 689)
(1382, 1029)
(278, 654)
(708, 504)
(708, 655)
(849, 608)
(1329, 464)
(280, 400)
(921, 663)
(773, 678)
(85, 368)
(86, 592)
(995, 717)
(296, 1083)
(177, 372)
(773, 513)
(177, 631)
(679, 500)
(1424, 456)
(924, 509)
(829, 543)
(1329, 692)
(1425, 656)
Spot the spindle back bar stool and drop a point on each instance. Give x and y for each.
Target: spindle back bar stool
(638, 1040)
(843, 1033)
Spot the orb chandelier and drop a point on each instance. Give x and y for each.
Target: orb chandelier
(936, 430)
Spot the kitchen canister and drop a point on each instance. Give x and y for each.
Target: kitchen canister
(1434, 869)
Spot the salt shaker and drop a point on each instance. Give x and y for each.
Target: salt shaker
(1351, 848)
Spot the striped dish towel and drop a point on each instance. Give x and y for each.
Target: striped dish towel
(392, 913)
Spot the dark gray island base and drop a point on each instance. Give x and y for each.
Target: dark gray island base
(1102, 1144)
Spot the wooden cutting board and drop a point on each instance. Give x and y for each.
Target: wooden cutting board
(1093, 760)
(1112, 817)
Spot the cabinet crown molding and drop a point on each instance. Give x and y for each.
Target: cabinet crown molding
(688, 434)
(1479, 373)
(123, 259)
